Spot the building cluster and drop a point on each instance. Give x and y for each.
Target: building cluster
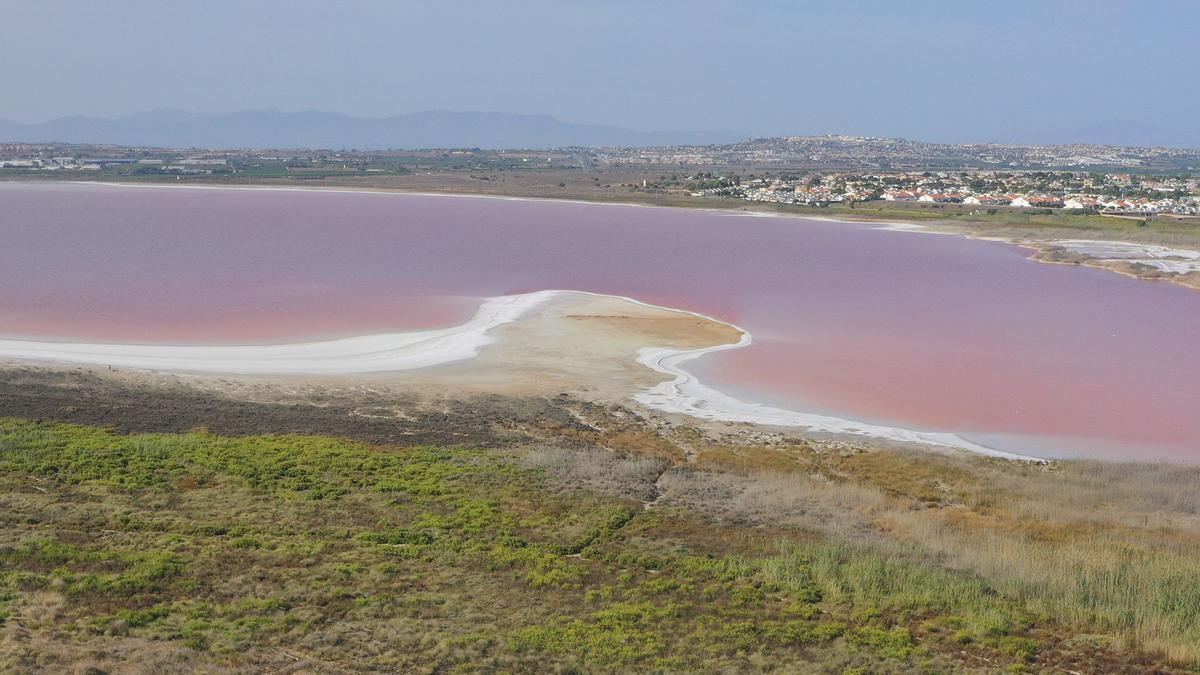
(198, 164)
(1084, 202)
(50, 164)
(893, 154)
(1089, 192)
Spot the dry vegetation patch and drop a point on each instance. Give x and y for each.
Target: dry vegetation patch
(197, 551)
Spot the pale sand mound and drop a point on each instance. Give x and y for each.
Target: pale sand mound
(544, 343)
(532, 343)
(573, 342)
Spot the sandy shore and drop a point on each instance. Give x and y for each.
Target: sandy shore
(536, 343)
(383, 352)
(686, 395)
(1148, 262)
(543, 343)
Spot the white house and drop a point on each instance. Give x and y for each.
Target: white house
(1081, 202)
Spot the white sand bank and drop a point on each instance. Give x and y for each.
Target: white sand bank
(1175, 260)
(393, 352)
(687, 395)
(364, 354)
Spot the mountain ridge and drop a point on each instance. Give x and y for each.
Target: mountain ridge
(271, 128)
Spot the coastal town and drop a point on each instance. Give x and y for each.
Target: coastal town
(899, 154)
(1109, 193)
(803, 171)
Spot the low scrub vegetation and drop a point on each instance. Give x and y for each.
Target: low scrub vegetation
(184, 552)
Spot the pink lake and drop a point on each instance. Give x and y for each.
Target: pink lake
(923, 331)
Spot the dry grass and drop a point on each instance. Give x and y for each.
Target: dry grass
(630, 476)
(173, 553)
(890, 539)
(1113, 548)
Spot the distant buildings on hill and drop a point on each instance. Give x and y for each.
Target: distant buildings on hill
(1089, 192)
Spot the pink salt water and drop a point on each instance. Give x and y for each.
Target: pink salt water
(921, 331)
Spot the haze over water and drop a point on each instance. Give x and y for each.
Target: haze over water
(923, 331)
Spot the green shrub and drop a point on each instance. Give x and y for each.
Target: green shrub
(896, 643)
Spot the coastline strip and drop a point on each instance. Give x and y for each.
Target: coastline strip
(686, 395)
(1164, 258)
(385, 352)
(381, 352)
(1149, 254)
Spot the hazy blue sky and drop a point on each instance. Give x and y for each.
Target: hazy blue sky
(990, 70)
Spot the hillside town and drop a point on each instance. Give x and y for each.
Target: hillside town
(895, 154)
(1110, 193)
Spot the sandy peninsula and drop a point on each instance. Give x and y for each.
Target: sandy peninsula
(535, 344)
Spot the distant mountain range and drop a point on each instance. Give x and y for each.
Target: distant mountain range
(313, 129)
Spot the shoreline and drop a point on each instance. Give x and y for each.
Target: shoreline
(384, 353)
(686, 395)
(681, 399)
(361, 354)
(1122, 267)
